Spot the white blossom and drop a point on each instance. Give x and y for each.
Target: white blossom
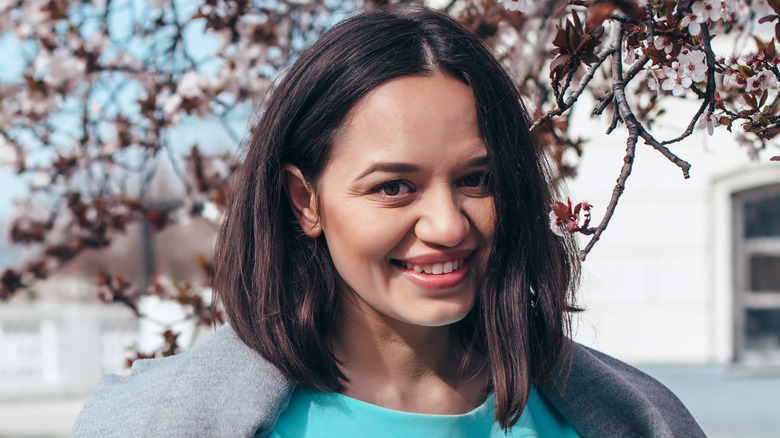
(557, 229)
(729, 7)
(675, 81)
(64, 67)
(59, 67)
(652, 82)
(693, 65)
(8, 154)
(515, 5)
(35, 103)
(693, 22)
(629, 54)
(171, 107)
(210, 212)
(40, 179)
(707, 9)
(732, 79)
(709, 121)
(192, 85)
(159, 4)
(762, 81)
(663, 43)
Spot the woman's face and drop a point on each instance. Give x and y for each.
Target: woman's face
(403, 202)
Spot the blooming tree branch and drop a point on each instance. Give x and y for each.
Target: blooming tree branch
(94, 117)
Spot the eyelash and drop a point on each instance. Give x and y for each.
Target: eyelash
(381, 189)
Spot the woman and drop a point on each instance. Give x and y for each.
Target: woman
(387, 267)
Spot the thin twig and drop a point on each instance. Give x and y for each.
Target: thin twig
(584, 81)
(618, 85)
(630, 75)
(689, 130)
(709, 91)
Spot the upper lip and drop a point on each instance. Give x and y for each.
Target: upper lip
(438, 257)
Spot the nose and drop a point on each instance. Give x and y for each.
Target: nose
(442, 221)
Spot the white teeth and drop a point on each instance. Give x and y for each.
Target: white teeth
(435, 268)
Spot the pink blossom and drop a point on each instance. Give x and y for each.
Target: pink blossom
(729, 7)
(629, 54)
(733, 78)
(707, 9)
(565, 218)
(192, 85)
(652, 81)
(515, 5)
(675, 82)
(159, 4)
(761, 81)
(664, 43)
(693, 65)
(693, 22)
(709, 121)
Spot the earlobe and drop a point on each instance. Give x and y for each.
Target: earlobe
(303, 200)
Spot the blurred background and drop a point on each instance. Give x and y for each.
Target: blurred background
(121, 121)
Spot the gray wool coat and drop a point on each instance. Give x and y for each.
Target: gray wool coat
(225, 389)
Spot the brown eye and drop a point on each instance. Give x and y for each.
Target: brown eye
(391, 188)
(474, 180)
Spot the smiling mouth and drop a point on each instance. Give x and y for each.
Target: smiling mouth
(432, 268)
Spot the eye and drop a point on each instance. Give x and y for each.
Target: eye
(393, 188)
(474, 180)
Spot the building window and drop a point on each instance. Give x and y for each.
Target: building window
(757, 275)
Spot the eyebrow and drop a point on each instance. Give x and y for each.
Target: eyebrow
(398, 167)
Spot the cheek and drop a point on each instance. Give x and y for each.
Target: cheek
(483, 217)
(360, 237)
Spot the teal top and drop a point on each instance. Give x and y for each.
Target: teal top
(314, 414)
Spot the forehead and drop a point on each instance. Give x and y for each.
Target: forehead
(412, 117)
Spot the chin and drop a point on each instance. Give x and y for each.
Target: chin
(440, 314)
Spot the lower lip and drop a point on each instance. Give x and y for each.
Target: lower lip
(436, 281)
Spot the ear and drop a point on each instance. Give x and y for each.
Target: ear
(303, 200)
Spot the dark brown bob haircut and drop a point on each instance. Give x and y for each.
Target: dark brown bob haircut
(278, 286)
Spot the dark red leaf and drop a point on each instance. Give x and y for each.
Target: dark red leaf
(777, 31)
(775, 5)
(598, 13)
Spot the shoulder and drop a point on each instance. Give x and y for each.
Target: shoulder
(221, 388)
(602, 396)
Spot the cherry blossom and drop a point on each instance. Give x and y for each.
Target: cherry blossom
(663, 43)
(567, 219)
(709, 121)
(121, 96)
(60, 67)
(692, 64)
(675, 81)
(707, 9)
(762, 81)
(159, 4)
(733, 78)
(729, 7)
(515, 5)
(652, 82)
(629, 54)
(693, 22)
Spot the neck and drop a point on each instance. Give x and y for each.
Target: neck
(402, 366)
